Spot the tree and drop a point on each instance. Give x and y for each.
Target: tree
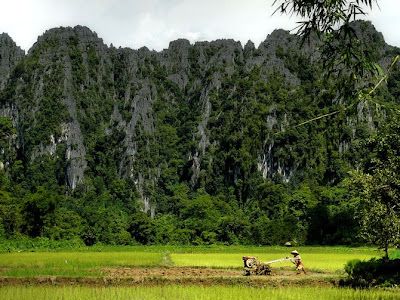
(6, 133)
(38, 211)
(10, 216)
(379, 188)
(6, 130)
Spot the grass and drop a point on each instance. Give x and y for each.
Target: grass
(395, 254)
(190, 292)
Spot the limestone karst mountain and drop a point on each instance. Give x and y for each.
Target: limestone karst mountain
(213, 115)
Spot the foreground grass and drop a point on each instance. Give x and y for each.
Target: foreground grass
(190, 292)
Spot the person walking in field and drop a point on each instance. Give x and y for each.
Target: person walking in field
(297, 261)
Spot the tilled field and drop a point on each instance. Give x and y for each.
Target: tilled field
(182, 275)
(173, 272)
(179, 272)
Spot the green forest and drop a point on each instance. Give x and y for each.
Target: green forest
(204, 143)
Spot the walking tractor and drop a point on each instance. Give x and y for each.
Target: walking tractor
(254, 267)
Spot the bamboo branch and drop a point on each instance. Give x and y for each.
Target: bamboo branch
(360, 99)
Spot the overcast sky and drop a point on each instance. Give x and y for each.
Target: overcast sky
(154, 23)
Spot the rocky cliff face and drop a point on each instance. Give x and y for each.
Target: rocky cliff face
(10, 56)
(158, 118)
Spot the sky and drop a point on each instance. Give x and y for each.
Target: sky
(154, 23)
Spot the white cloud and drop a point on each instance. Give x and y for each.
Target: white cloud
(154, 23)
(387, 20)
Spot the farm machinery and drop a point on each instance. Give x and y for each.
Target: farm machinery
(254, 267)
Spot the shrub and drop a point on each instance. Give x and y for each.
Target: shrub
(375, 272)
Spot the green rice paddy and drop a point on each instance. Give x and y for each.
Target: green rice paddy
(32, 264)
(84, 264)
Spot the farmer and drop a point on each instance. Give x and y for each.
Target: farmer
(297, 261)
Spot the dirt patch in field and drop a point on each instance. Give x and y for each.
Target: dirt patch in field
(184, 272)
(170, 272)
(181, 276)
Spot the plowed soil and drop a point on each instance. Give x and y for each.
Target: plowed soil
(170, 272)
(183, 272)
(182, 275)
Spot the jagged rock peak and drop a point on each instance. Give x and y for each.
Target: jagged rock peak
(278, 37)
(366, 31)
(6, 40)
(63, 34)
(278, 34)
(10, 55)
(80, 31)
(179, 43)
(229, 43)
(249, 46)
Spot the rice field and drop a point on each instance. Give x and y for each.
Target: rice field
(30, 264)
(170, 273)
(191, 292)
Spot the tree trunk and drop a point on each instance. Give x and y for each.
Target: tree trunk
(386, 252)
